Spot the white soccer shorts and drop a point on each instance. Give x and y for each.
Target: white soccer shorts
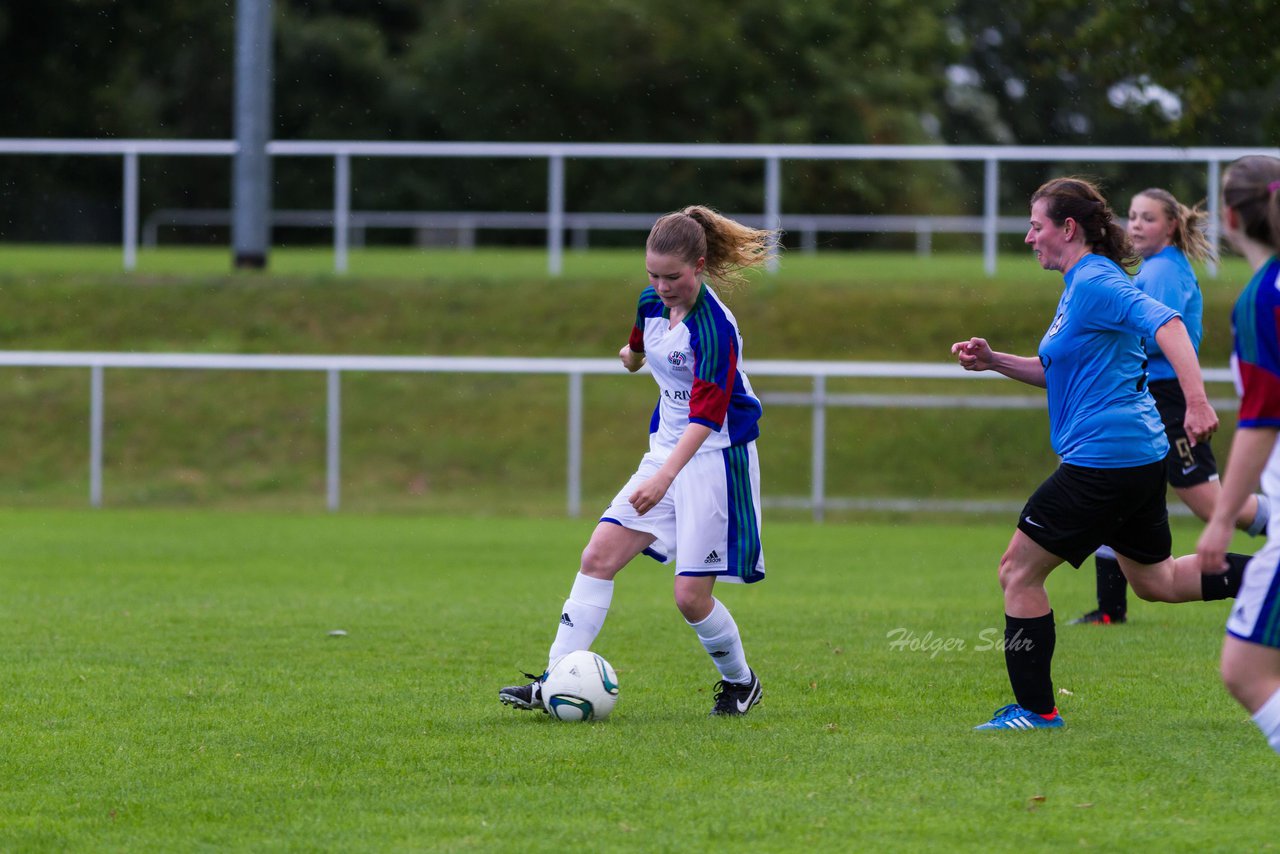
(1256, 614)
(708, 523)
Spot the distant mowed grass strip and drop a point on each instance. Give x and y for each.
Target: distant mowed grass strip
(169, 682)
(491, 443)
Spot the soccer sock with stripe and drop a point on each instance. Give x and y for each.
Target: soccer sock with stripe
(582, 616)
(719, 635)
(1268, 720)
(1028, 655)
(1224, 585)
(1112, 585)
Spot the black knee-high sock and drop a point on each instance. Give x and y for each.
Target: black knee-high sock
(1224, 585)
(1112, 587)
(1028, 654)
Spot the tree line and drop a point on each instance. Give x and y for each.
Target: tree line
(1066, 72)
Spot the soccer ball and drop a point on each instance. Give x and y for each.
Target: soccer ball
(580, 686)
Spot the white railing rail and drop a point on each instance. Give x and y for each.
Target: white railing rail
(557, 154)
(818, 372)
(465, 224)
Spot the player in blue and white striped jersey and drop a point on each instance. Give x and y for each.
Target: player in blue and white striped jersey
(694, 501)
(1251, 650)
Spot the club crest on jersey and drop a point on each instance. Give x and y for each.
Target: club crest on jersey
(677, 358)
(1057, 323)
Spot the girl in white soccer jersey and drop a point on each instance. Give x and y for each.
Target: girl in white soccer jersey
(695, 499)
(1251, 651)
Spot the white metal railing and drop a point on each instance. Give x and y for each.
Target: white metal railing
(557, 154)
(579, 225)
(574, 370)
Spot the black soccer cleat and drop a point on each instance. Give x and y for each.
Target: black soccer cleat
(734, 698)
(526, 697)
(1098, 617)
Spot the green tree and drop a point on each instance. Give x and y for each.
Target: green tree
(1219, 57)
(668, 71)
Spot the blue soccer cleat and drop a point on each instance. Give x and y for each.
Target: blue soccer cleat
(1014, 716)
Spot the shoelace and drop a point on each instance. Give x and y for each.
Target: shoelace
(723, 694)
(1007, 712)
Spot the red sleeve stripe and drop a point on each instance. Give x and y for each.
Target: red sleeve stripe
(1260, 402)
(709, 402)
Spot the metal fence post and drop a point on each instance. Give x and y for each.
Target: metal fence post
(341, 209)
(95, 436)
(130, 210)
(333, 406)
(574, 473)
(990, 214)
(819, 488)
(1215, 211)
(772, 202)
(924, 238)
(555, 214)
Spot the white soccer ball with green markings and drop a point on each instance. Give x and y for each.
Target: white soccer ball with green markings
(580, 686)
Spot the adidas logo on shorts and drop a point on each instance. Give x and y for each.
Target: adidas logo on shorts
(714, 557)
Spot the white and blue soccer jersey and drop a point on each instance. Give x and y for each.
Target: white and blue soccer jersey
(1167, 277)
(1100, 412)
(697, 365)
(1255, 361)
(708, 522)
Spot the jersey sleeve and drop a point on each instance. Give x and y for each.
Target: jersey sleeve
(1159, 281)
(649, 305)
(714, 343)
(1257, 354)
(1116, 303)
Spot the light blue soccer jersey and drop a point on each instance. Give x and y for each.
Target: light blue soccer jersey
(1100, 413)
(1167, 277)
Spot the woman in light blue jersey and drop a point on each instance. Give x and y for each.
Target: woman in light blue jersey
(1251, 650)
(694, 501)
(1110, 487)
(1168, 235)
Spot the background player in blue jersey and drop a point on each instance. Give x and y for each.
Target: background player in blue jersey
(695, 499)
(1110, 487)
(1166, 233)
(1251, 650)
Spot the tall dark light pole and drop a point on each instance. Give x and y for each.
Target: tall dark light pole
(251, 180)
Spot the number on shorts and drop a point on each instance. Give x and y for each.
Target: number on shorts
(1183, 447)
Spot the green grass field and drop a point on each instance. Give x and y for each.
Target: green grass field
(169, 683)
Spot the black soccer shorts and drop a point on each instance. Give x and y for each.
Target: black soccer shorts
(1078, 509)
(1186, 466)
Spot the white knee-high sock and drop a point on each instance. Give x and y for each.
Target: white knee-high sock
(719, 635)
(1268, 720)
(582, 616)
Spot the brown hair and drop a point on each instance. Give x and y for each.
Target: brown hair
(699, 232)
(1080, 200)
(1251, 187)
(1189, 224)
